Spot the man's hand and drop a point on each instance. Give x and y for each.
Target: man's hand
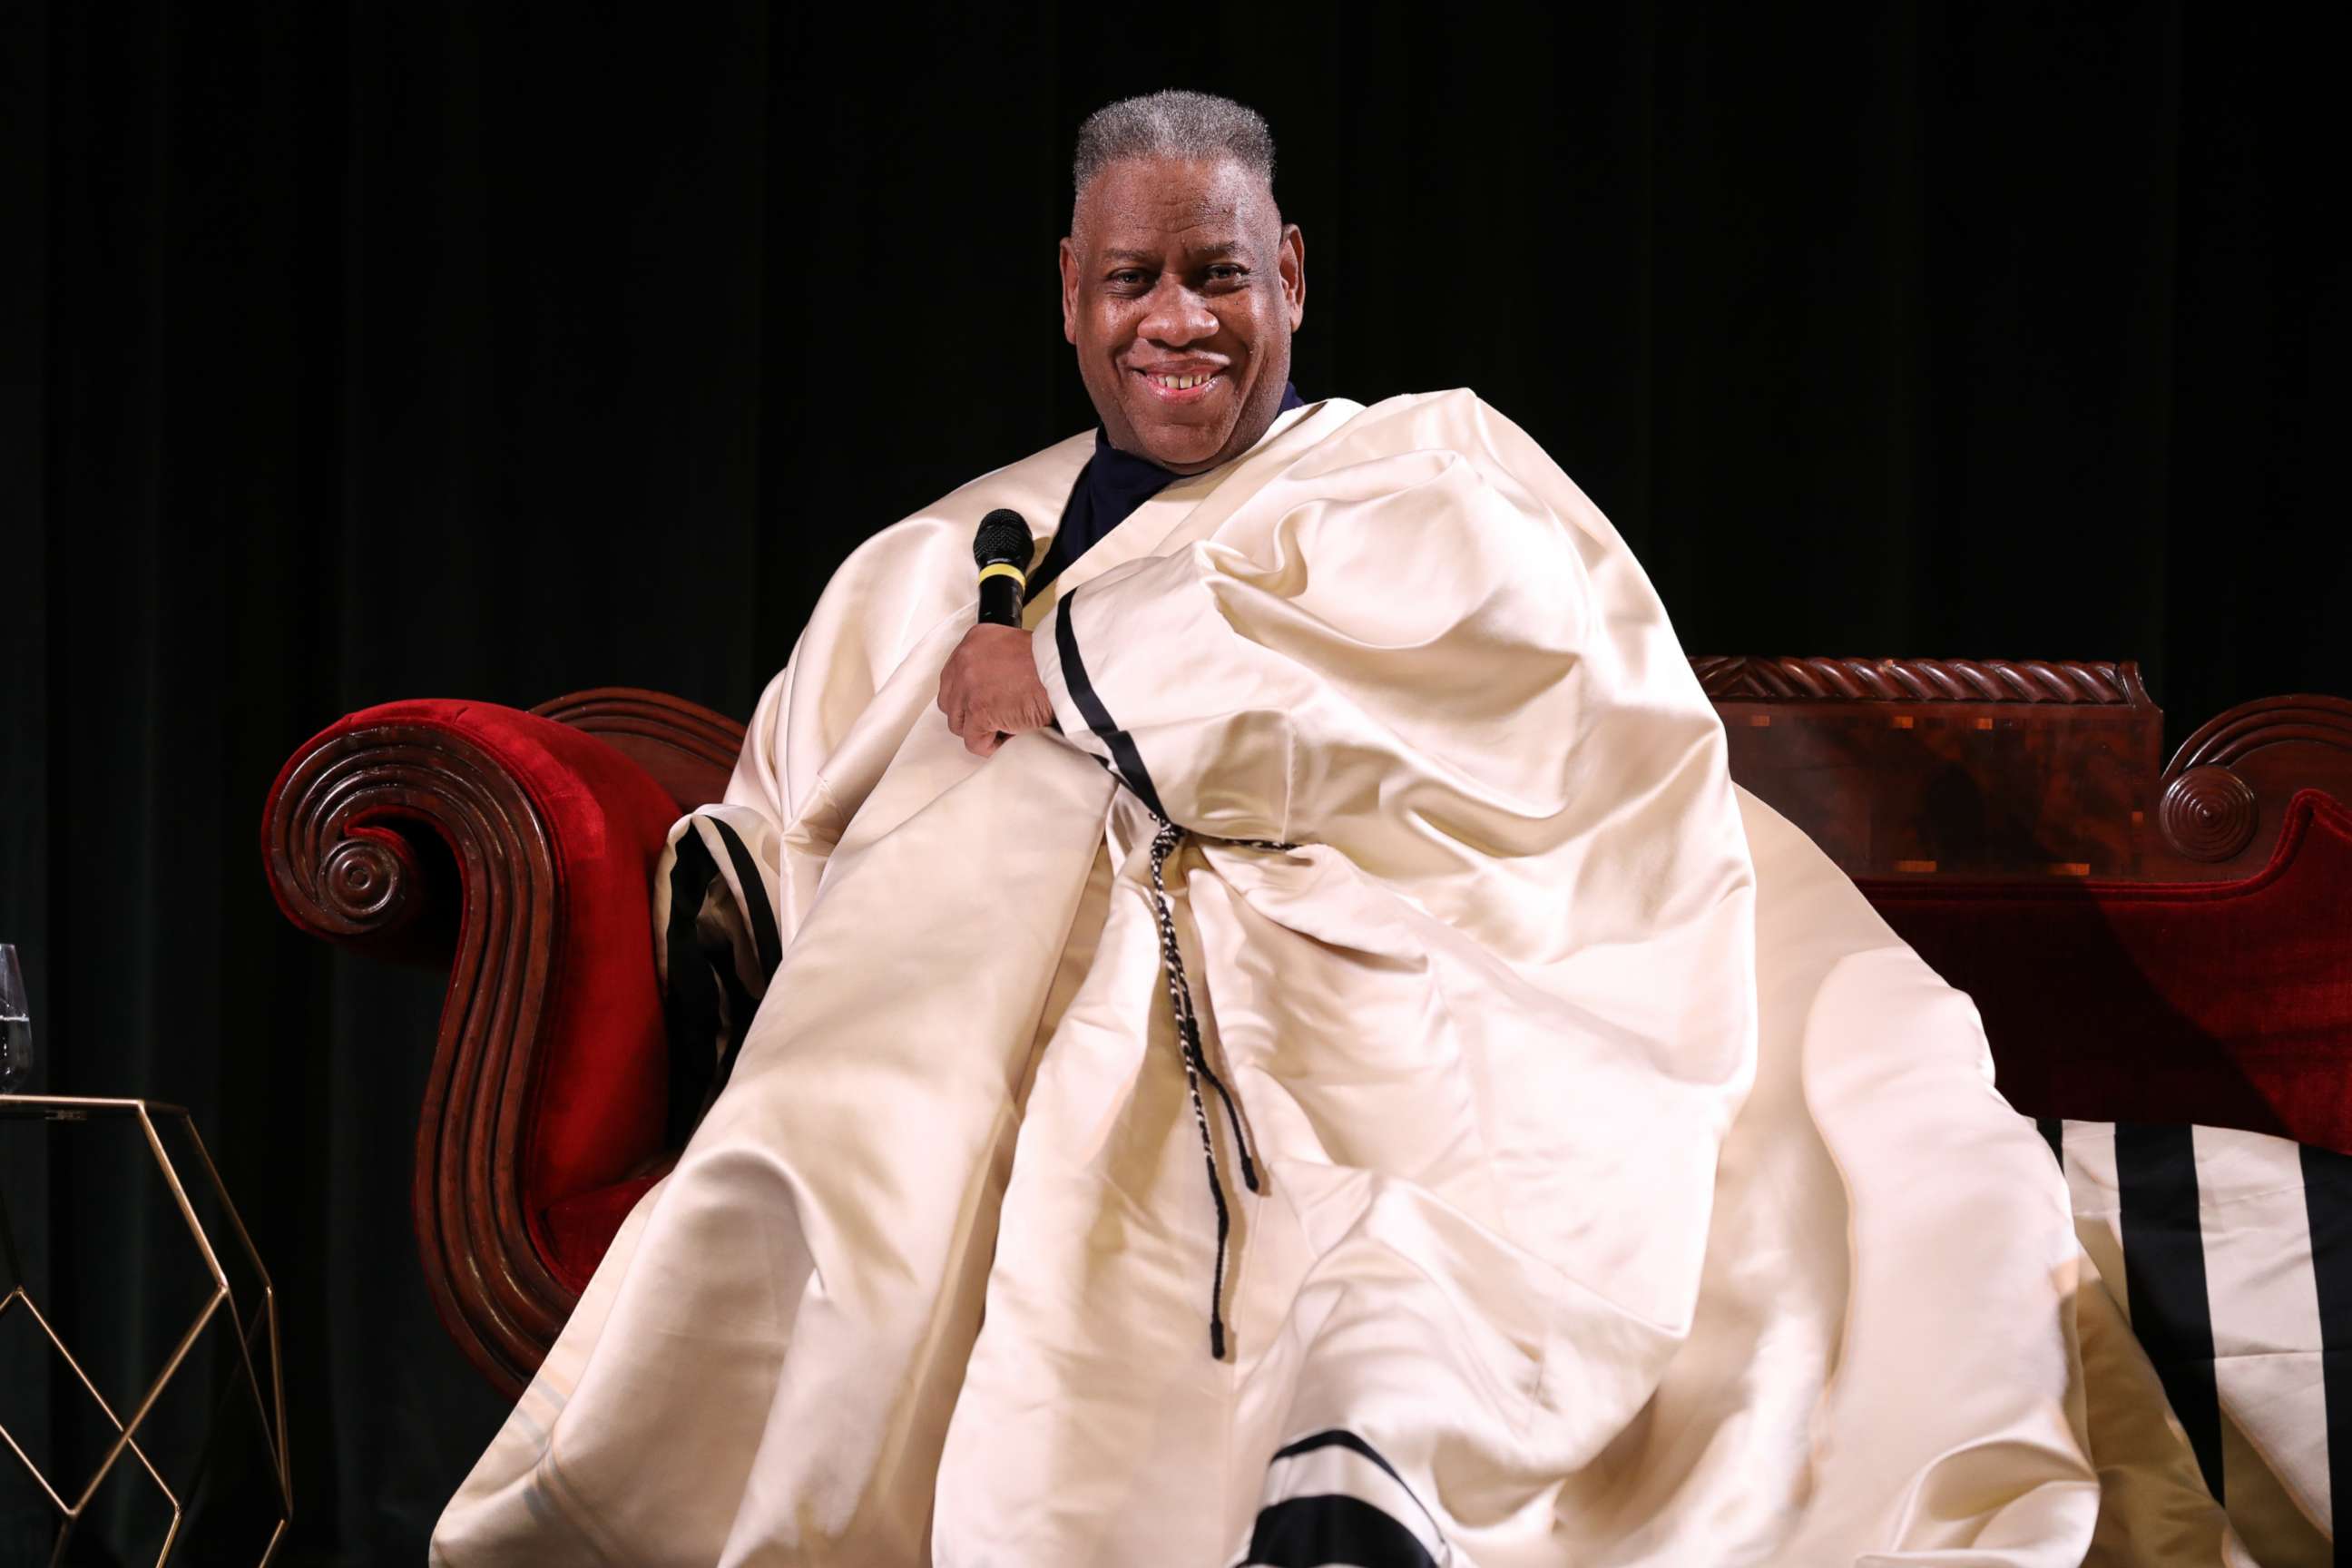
(990, 691)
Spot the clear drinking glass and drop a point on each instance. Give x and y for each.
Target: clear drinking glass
(16, 1027)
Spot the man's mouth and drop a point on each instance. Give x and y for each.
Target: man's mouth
(1181, 385)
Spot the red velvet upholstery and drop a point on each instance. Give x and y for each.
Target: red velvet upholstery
(601, 1098)
(598, 1098)
(2228, 1003)
(580, 1226)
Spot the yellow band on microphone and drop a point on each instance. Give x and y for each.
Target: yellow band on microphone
(1006, 569)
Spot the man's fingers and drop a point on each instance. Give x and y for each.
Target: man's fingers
(989, 689)
(1007, 719)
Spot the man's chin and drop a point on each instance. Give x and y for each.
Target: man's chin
(1182, 446)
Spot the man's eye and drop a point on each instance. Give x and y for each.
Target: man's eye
(1126, 277)
(1228, 272)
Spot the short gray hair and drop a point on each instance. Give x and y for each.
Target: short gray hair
(1173, 124)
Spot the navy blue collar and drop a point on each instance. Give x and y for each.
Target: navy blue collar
(1109, 490)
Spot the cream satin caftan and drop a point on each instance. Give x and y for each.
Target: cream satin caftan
(1630, 1194)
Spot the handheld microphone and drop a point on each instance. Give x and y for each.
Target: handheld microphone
(1000, 549)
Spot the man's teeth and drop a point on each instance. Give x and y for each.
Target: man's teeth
(1182, 382)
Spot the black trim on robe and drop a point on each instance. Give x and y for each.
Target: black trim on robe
(2164, 1276)
(1337, 1438)
(705, 1017)
(1335, 1528)
(765, 937)
(1123, 754)
(691, 1001)
(2053, 1132)
(1341, 1438)
(1330, 1530)
(2327, 1202)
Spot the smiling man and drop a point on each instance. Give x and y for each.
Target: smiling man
(1295, 1054)
(1180, 283)
(1181, 288)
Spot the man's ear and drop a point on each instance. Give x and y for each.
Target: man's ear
(1290, 263)
(1069, 292)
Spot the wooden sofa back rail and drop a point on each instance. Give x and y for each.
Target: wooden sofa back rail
(1902, 769)
(409, 839)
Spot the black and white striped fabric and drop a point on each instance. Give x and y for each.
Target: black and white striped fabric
(2232, 1253)
(1331, 1502)
(717, 943)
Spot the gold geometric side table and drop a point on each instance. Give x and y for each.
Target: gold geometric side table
(249, 1315)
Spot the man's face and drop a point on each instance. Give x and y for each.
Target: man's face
(1182, 273)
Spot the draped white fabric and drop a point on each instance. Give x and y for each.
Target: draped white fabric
(1630, 1195)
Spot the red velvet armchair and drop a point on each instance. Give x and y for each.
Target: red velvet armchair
(2145, 941)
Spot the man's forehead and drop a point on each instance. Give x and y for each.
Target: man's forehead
(1150, 202)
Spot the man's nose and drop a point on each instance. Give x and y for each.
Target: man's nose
(1177, 315)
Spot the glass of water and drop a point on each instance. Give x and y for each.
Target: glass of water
(16, 1027)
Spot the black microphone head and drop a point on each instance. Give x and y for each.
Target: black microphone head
(1002, 536)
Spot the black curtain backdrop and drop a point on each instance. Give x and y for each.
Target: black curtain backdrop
(363, 350)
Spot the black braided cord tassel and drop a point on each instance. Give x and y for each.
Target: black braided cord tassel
(1196, 1067)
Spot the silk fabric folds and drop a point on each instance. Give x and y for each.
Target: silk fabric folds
(1631, 1194)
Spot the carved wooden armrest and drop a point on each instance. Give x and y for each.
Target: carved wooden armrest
(2225, 793)
(520, 848)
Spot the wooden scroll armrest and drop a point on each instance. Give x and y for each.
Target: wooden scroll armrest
(522, 849)
(2227, 792)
